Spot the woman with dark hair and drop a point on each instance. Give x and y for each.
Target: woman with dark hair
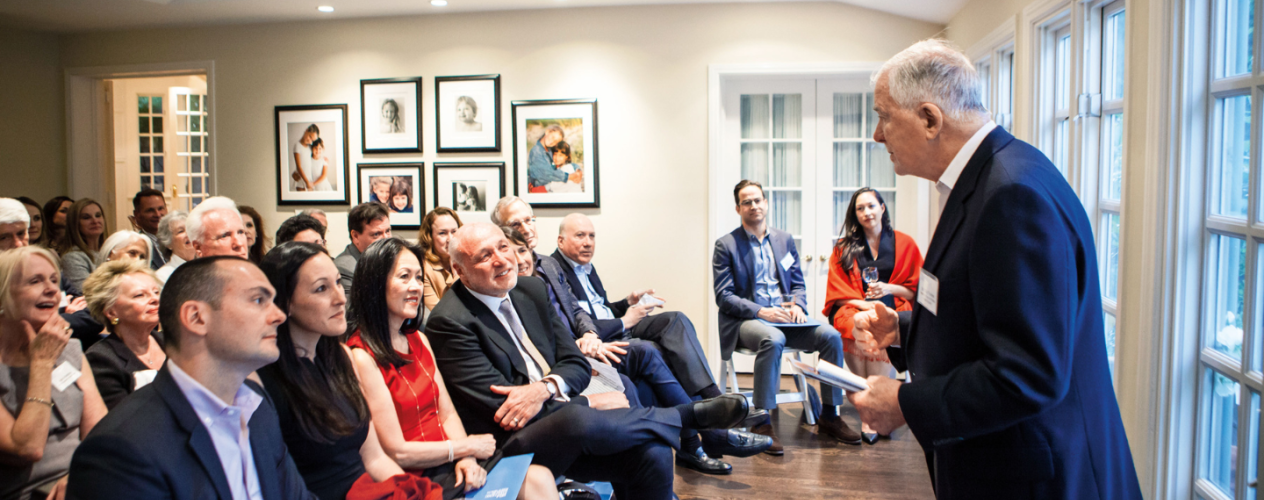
(437, 227)
(868, 244)
(55, 219)
(401, 196)
(85, 233)
(256, 234)
(412, 412)
(323, 416)
(34, 229)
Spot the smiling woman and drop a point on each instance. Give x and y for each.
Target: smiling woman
(83, 237)
(123, 296)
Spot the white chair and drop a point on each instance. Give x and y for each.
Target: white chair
(728, 383)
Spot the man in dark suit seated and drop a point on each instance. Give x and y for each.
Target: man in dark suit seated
(1010, 393)
(199, 430)
(514, 371)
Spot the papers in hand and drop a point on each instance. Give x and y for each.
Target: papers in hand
(650, 300)
(604, 379)
(505, 478)
(831, 374)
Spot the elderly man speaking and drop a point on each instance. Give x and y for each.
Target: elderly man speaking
(1010, 393)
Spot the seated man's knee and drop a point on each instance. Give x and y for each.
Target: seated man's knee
(657, 461)
(774, 340)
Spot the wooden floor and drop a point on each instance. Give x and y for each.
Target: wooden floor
(817, 468)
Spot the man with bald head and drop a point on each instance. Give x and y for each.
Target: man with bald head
(627, 318)
(513, 370)
(215, 228)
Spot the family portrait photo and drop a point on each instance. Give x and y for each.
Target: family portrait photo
(555, 146)
(467, 196)
(389, 115)
(398, 186)
(471, 189)
(312, 154)
(468, 113)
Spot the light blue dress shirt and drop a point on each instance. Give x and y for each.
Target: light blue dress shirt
(596, 305)
(228, 426)
(767, 288)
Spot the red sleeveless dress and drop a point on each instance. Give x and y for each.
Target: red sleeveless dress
(413, 390)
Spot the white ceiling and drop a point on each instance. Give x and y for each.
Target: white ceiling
(68, 16)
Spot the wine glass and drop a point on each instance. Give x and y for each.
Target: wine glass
(870, 275)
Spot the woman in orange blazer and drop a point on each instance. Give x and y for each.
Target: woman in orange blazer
(868, 241)
(436, 272)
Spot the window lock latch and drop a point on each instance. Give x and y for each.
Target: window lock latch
(1089, 105)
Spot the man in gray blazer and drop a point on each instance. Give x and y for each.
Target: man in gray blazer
(368, 223)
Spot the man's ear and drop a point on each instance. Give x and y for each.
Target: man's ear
(195, 317)
(932, 119)
(197, 247)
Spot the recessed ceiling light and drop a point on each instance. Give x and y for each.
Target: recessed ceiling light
(325, 8)
(439, 3)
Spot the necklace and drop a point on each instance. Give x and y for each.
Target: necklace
(417, 400)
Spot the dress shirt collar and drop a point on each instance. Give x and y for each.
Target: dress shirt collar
(491, 302)
(206, 403)
(948, 179)
(585, 268)
(751, 237)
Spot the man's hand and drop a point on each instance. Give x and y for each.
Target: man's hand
(797, 315)
(610, 352)
(590, 345)
(775, 315)
(635, 296)
(876, 327)
(608, 401)
(634, 315)
(471, 473)
(880, 405)
(521, 405)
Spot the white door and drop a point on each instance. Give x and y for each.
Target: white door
(191, 183)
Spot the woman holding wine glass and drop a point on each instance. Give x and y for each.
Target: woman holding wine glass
(871, 262)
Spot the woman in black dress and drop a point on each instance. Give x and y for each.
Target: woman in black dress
(123, 296)
(324, 419)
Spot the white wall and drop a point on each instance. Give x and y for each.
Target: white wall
(32, 121)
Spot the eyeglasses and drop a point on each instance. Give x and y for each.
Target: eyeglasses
(751, 202)
(519, 223)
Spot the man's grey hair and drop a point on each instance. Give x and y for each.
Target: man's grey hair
(934, 71)
(13, 211)
(313, 211)
(166, 237)
(193, 228)
(504, 203)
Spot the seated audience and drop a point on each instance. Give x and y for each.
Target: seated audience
(368, 222)
(84, 235)
(148, 208)
(317, 214)
(55, 211)
(123, 296)
(35, 228)
(129, 245)
(436, 269)
(215, 228)
(413, 415)
(14, 224)
(301, 228)
(120, 246)
(45, 416)
(256, 235)
(757, 276)
(199, 430)
(525, 387)
(173, 237)
(869, 241)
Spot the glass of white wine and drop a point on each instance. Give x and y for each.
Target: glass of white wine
(870, 275)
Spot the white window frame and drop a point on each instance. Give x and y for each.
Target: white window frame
(994, 58)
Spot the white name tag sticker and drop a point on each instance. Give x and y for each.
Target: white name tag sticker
(787, 261)
(143, 378)
(64, 375)
(928, 292)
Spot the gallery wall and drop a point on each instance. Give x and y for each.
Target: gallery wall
(32, 115)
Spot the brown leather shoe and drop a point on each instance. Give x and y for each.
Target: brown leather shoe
(836, 428)
(766, 430)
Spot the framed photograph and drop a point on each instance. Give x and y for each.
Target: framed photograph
(555, 153)
(399, 186)
(471, 189)
(467, 113)
(390, 115)
(312, 156)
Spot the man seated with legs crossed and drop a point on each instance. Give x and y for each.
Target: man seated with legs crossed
(199, 430)
(514, 371)
(756, 270)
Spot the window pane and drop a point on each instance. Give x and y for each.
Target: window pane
(144, 144)
(158, 164)
(1113, 157)
(881, 170)
(754, 161)
(157, 103)
(197, 185)
(848, 114)
(1060, 145)
(157, 144)
(755, 116)
(1257, 358)
(195, 124)
(195, 165)
(1218, 450)
(785, 210)
(1113, 57)
(195, 145)
(142, 105)
(144, 164)
(143, 125)
(1225, 290)
(158, 184)
(787, 165)
(1061, 71)
(1236, 51)
(1108, 321)
(871, 116)
(847, 164)
(157, 125)
(195, 103)
(1253, 446)
(1231, 156)
(985, 80)
(842, 201)
(787, 116)
(1110, 255)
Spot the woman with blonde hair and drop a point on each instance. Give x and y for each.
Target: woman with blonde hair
(83, 237)
(436, 229)
(123, 296)
(49, 397)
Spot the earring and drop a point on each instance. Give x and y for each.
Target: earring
(114, 321)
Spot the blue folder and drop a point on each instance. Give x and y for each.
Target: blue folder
(810, 322)
(505, 479)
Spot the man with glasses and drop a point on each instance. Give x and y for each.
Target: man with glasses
(758, 277)
(215, 228)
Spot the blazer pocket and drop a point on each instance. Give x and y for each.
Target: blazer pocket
(1032, 463)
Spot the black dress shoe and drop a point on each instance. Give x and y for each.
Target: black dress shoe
(699, 461)
(733, 442)
(721, 412)
(869, 437)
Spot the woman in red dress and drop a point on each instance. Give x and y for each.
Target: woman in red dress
(868, 241)
(411, 411)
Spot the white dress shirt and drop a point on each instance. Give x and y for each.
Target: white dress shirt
(949, 178)
(533, 372)
(228, 425)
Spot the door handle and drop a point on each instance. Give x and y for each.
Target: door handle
(807, 258)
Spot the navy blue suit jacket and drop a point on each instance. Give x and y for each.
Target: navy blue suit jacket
(733, 267)
(607, 329)
(153, 446)
(1011, 394)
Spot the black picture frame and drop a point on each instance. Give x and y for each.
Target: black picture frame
(523, 113)
(291, 115)
(443, 184)
(371, 143)
(416, 170)
(443, 103)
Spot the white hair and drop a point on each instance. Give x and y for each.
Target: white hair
(118, 240)
(166, 237)
(504, 203)
(193, 228)
(934, 71)
(12, 211)
(313, 211)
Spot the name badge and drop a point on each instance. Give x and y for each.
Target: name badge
(143, 378)
(787, 261)
(928, 292)
(64, 375)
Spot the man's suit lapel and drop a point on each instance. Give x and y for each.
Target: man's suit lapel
(269, 483)
(780, 247)
(535, 326)
(745, 258)
(576, 286)
(199, 439)
(500, 337)
(597, 286)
